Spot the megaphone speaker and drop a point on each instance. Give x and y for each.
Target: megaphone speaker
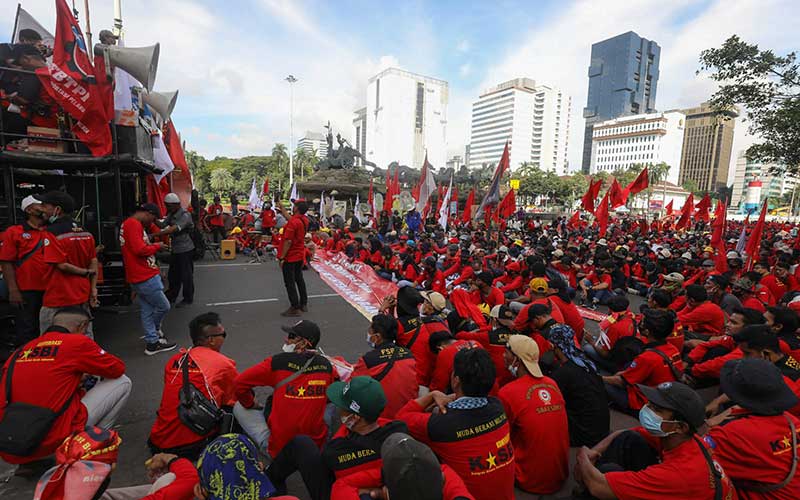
(162, 102)
(140, 62)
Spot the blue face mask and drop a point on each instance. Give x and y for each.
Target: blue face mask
(651, 422)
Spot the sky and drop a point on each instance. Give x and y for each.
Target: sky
(229, 59)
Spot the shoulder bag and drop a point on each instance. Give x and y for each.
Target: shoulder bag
(268, 404)
(194, 408)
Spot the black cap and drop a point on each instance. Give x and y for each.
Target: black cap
(304, 329)
(21, 50)
(719, 280)
(679, 398)
(150, 208)
(757, 385)
(59, 199)
(410, 469)
(430, 261)
(486, 277)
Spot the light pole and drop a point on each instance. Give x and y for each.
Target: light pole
(291, 79)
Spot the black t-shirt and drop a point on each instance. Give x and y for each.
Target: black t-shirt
(587, 404)
(356, 450)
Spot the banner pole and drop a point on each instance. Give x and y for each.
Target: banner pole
(16, 23)
(88, 28)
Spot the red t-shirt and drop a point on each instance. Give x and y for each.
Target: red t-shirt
(683, 473)
(494, 342)
(596, 280)
(539, 432)
(295, 231)
(650, 369)
(475, 443)
(399, 383)
(210, 372)
(297, 407)
(706, 318)
(215, 215)
(47, 373)
(19, 241)
(572, 316)
(440, 381)
(485, 304)
(268, 218)
(413, 334)
(753, 303)
(522, 319)
(138, 255)
(65, 289)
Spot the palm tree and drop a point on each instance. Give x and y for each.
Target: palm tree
(221, 180)
(279, 155)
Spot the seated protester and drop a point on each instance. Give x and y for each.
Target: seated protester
(583, 390)
(744, 290)
(701, 318)
(539, 431)
(298, 404)
(760, 270)
(660, 300)
(469, 269)
(716, 286)
(757, 342)
(470, 433)
(410, 470)
(674, 285)
(784, 323)
(707, 359)
(354, 448)
(757, 444)
(626, 464)
(387, 264)
(562, 300)
(780, 281)
(390, 364)
(49, 372)
(596, 288)
(617, 325)
(210, 372)
(409, 271)
(483, 294)
(501, 318)
(444, 347)
(660, 362)
(510, 283)
(539, 293)
(432, 279)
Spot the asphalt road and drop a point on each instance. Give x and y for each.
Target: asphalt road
(249, 298)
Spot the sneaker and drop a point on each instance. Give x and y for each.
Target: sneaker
(292, 312)
(163, 345)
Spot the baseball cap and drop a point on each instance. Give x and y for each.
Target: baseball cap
(486, 277)
(708, 263)
(410, 469)
(527, 351)
(305, 329)
(674, 278)
(744, 283)
(28, 201)
(679, 398)
(719, 280)
(363, 396)
(558, 253)
(172, 198)
(501, 311)
(757, 385)
(502, 249)
(732, 255)
(539, 285)
(59, 199)
(665, 253)
(602, 242)
(150, 208)
(436, 299)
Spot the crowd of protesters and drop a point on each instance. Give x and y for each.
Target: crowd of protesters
(477, 377)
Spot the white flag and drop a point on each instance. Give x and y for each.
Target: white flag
(322, 208)
(274, 207)
(356, 212)
(293, 195)
(161, 158)
(254, 202)
(445, 210)
(25, 21)
(427, 185)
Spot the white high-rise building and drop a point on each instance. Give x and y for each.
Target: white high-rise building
(639, 139)
(406, 117)
(360, 134)
(774, 184)
(534, 119)
(314, 142)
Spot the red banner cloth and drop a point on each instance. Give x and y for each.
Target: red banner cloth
(356, 282)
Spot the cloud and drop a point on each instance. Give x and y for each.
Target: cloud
(463, 46)
(465, 69)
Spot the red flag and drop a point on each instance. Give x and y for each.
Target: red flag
(508, 206)
(454, 198)
(754, 240)
(70, 80)
(396, 183)
(575, 220)
(181, 176)
(615, 195)
(587, 202)
(467, 215)
(719, 223)
(639, 184)
(668, 209)
(104, 87)
(601, 215)
(371, 199)
(439, 198)
(265, 188)
(387, 200)
(686, 212)
(643, 228)
(702, 208)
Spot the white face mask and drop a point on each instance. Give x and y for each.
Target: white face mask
(369, 340)
(513, 370)
(347, 422)
(289, 347)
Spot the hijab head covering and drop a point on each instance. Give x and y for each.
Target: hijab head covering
(563, 338)
(229, 470)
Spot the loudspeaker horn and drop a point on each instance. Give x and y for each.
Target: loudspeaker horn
(140, 62)
(162, 102)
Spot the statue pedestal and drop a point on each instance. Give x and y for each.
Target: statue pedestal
(347, 182)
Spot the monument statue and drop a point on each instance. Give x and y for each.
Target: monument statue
(343, 158)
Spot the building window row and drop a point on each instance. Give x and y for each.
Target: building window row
(628, 128)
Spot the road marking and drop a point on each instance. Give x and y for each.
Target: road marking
(258, 301)
(229, 265)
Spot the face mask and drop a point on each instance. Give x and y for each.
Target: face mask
(347, 422)
(52, 218)
(651, 421)
(369, 341)
(289, 347)
(513, 370)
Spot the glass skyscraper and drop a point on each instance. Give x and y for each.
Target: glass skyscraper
(623, 79)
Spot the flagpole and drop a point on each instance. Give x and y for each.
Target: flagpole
(118, 18)
(88, 27)
(16, 22)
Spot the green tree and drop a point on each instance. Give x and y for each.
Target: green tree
(221, 180)
(768, 86)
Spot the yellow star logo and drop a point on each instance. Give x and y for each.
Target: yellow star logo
(301, 391)
(492, 460)
(26, 354)
(786, 441)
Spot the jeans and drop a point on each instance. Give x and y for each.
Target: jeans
(153, 304)
(46, 315)
(181, 275)
(218, 233)
(138, 492)
(602, 296)
(295, 284)
(302, 454)
(105, 401)
(253, 424)
(26, 317)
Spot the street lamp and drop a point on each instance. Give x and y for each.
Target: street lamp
(291, 79)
